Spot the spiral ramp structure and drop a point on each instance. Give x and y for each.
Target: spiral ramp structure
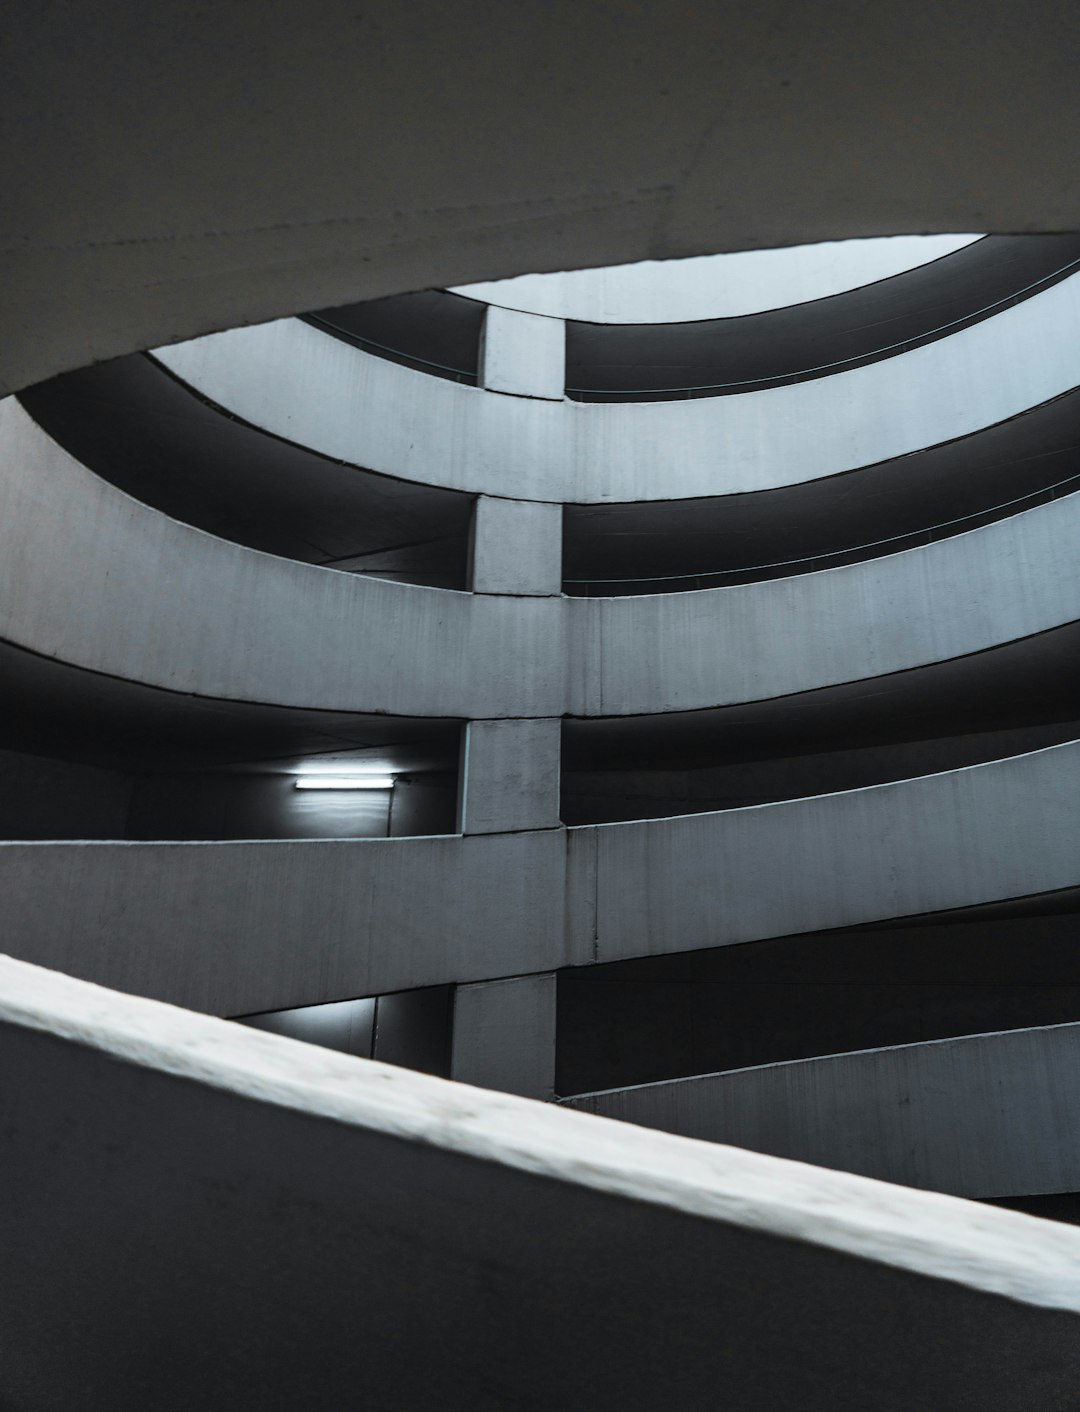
(540, 822)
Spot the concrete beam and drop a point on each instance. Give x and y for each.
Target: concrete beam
(317, 1224)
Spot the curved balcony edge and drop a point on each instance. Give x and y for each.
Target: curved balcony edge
(303, 385)
(95, 579)
(215, 926)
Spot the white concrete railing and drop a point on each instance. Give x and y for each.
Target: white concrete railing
(216, 926)
(93, 578)
(299, 383)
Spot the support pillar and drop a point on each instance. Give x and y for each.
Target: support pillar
(504, 1035)
(509, 776)
(523, 355)
(516, 547)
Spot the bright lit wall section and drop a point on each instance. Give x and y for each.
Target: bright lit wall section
(715, 286)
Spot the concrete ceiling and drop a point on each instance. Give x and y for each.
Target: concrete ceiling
(176, 168)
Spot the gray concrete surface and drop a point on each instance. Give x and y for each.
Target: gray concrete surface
(234, 928)
(329, 1231)
(988, 832)
(504, 1035)
(97, 580)
(510, 776)
(516, 547)
(300, 383)
(522, 354)
(989, 1115)
(691, 117)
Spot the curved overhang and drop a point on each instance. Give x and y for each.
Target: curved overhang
(691, 156)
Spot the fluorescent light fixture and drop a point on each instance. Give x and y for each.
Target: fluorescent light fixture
(344, 782)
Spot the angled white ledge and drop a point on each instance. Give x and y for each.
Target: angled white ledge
(219, 926)
(93, 578)
(436, 1222)
(999, 1252)
(297, 382)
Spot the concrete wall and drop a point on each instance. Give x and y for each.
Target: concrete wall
(987, 1115)
(93, 578)
(300, 383)
(242, 927)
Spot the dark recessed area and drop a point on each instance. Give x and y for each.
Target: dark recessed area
(433, 330)
(1005, 701)
(90, 757)
(933, 977)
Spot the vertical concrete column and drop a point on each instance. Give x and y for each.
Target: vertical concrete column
(516, 547)
(509, 776)
(504, 1035)
(523, 355)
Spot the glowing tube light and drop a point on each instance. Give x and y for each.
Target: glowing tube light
(344, 782)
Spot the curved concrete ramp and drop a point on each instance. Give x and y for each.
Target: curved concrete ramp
(240, 927)
(200, 1215)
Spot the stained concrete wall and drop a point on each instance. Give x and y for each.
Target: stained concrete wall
(984, 1116)
(93, 578)
(242, 927)
(236, 928)
(300, 383)
(510, 776)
